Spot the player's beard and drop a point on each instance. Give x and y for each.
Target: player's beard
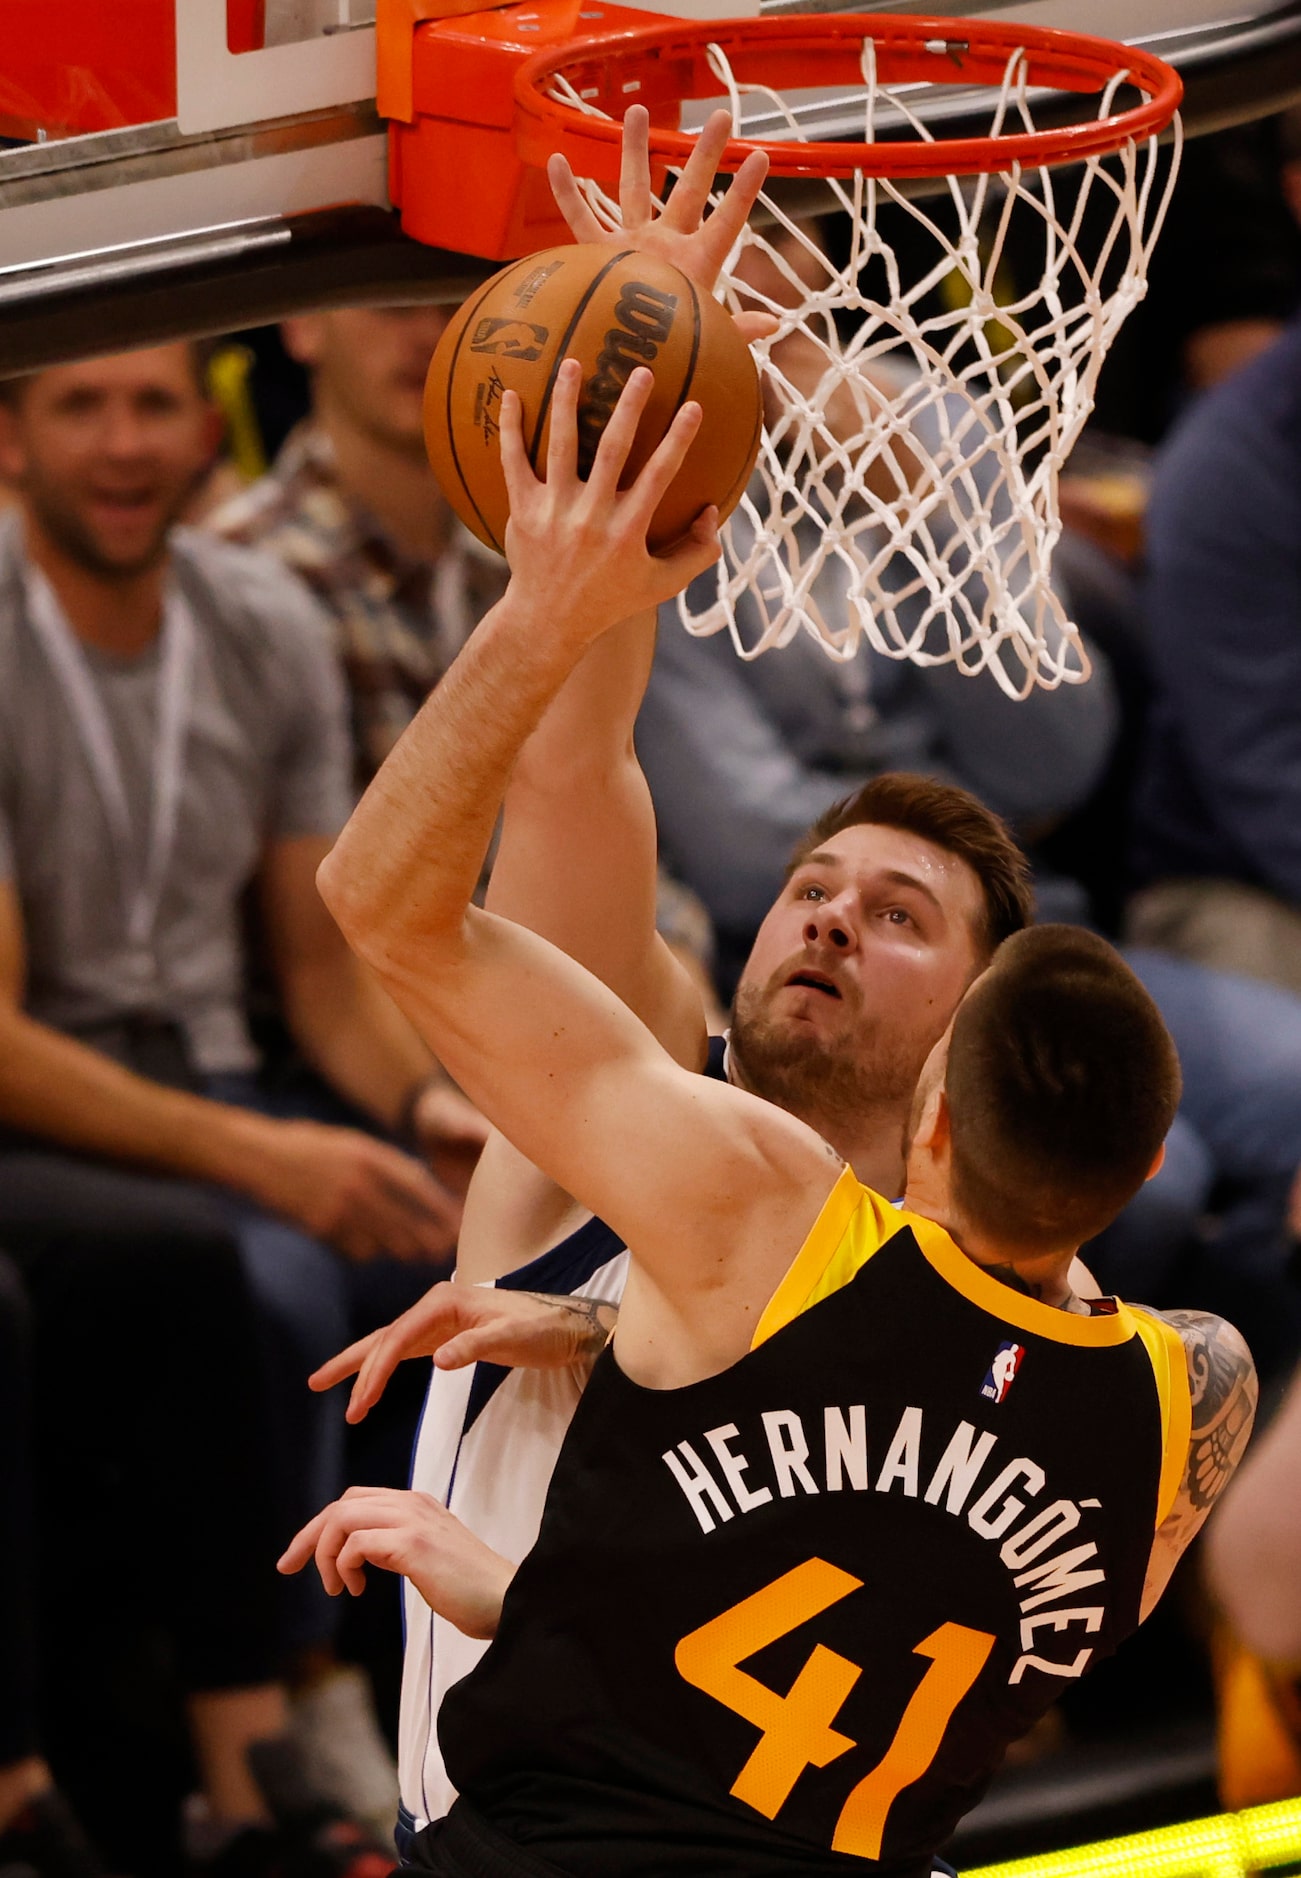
(844, 1080)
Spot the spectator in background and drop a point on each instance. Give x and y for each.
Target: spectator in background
(173, 732)
(1218, 835)
(351, 505)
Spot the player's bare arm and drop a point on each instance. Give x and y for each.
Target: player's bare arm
(577, 856)
(458, 1324)
(561, 1066)
(1222, 1384)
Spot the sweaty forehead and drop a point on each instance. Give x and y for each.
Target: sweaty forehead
(870, 851)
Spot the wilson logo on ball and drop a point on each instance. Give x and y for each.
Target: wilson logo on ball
(645, 320)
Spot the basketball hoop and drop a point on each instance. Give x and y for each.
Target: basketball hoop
(930, 376)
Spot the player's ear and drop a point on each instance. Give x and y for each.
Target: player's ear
(1157, 1164)
(931, 1130)
(942, 1134)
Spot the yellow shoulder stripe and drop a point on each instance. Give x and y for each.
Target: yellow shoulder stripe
(853, 1224)
(1169, 1360)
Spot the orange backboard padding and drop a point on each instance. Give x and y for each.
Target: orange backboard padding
(455, 172)
(395, 26)
(71, 67)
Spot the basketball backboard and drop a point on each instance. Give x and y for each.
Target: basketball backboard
(192, 165)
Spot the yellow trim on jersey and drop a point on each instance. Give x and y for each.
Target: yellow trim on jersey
(853, 1224)
(1169, 1360)
(1014, 1307)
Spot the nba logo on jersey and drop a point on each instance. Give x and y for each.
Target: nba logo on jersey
(1002, 1371)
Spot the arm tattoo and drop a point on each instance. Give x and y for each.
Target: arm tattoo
(597, 1319)
(1223, 1384)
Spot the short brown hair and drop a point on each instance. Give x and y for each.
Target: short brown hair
(1062, 1082)
(201, 351)
(952, 819)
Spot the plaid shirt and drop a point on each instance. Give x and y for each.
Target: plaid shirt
(399, 622)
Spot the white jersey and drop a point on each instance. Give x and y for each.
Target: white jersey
(486, 1447)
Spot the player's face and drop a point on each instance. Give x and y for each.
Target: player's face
(857, 971)
(108, 453)
(370, 365)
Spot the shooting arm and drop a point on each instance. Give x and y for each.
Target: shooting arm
(571, 1076)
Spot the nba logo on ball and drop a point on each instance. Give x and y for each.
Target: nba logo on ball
(1002, 1371)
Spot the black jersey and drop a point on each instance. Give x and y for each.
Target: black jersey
(787, 1619)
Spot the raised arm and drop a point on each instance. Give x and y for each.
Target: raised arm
(1222, 1384)
(677, 1164)
(577, 858)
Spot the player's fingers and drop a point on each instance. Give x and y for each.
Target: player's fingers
(687, 204)
(340, 1522)
(752, 326)
(303, 1543)
(417, 1332)
(668, 458)
(368, 1386)
(619, 434)
(635, 203)
(562, 443)
(519, 478)
(346, 1363)
(729, 218)
(369, 1548)
(487, 1343)
(571, 202)
(328, 1547)
(374, 1495)
(698, 549)
(472, 1346)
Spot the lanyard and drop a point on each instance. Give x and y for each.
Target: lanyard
(81, 694)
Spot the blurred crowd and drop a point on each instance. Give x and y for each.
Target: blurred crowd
(223, 1153)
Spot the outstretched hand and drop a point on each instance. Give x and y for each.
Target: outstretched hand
(461, 1324)
(577, 547)
(695, 244)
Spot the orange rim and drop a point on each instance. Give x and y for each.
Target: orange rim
(662, 64)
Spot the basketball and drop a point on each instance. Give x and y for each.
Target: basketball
(611, 311)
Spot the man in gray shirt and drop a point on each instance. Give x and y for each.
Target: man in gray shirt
(172, 732)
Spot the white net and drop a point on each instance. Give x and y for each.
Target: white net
(935, 362)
